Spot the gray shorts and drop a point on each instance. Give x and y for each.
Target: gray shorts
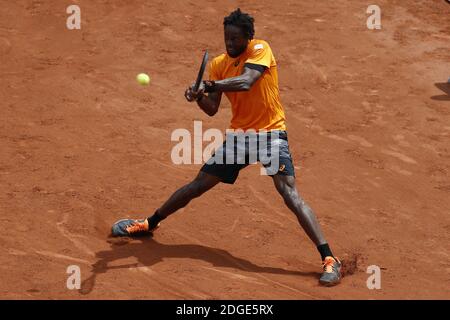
(239, 150)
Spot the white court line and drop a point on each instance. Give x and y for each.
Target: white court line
(61, 256)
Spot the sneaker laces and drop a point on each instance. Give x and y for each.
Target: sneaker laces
(328, 264)
(137, 227)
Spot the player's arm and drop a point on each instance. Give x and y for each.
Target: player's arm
(208, 103)
(243, 82)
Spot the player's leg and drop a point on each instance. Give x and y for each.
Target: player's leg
(210, 174)
(285, 185)
(281, 168)
(179, 199)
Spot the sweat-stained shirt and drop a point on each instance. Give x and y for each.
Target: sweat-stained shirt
(260, 107)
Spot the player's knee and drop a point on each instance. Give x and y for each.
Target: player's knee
(288, 193)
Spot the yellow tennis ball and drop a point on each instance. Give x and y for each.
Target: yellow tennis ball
(143, 79)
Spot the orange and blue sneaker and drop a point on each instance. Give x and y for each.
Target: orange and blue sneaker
(132, 228)
(331, 275)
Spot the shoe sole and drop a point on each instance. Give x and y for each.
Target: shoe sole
(330, 284)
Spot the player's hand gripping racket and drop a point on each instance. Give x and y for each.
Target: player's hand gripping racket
(201, 71)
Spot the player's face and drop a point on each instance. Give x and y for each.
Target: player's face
(235, 41)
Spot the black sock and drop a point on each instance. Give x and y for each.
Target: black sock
(325, 251)
(154, 220)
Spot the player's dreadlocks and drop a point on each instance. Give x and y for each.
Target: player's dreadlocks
(242, 20)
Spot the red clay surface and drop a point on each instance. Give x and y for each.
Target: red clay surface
(82, 144)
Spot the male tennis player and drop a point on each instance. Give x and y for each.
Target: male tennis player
(247, 74)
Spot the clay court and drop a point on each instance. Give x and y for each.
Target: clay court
(82, 145)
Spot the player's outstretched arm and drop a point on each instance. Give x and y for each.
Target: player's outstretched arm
(244, 82)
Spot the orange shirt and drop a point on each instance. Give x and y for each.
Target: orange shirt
(260, 107)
